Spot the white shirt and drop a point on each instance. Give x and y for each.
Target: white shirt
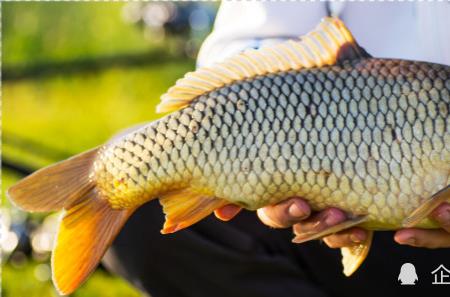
(405, 30)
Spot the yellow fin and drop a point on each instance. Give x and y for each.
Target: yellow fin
(427, 207)
(86, 231)
(328, 43)
(186, 207)
(307, 236)
(353, 257)
(56, 186)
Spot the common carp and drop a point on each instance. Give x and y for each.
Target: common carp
(316, 117)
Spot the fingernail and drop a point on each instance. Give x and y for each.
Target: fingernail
(295, 211)
(444, 217)
(331, 219)
(356, 238)
(411, 241)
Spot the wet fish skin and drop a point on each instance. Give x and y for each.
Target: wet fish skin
(370, 136)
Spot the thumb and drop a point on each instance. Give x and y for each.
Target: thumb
(227, 212)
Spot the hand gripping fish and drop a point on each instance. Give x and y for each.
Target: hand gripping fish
(316, 117)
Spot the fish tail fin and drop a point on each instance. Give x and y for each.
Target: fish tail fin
(55, 187)
(88, 225)
(86, 230)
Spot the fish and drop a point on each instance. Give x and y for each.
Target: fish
(316, 117)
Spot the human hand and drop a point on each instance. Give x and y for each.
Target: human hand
(296, 212)
(435, 238)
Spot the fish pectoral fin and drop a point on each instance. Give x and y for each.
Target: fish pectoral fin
(354, 256)
(186, 207)
(85, 232)
(427, 207)
(307, 236)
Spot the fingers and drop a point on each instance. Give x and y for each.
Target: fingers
(326, 219)
(296, 212)
(442, 216)
(284, 214)
(423, 238)
(320, 221)
(227, 212)
(429, 238)
(349, 237)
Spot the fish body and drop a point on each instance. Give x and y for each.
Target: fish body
(369, 136)
(317, 118)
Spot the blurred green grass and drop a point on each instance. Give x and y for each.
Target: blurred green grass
(77, 112)
(22, 281)
(59, 31)
(72, 113)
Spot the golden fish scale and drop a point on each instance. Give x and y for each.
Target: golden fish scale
(368, 136)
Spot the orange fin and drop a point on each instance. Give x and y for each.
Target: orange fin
(329, 43)
(87, 227)
(427, 207)
(307, 236)
(55, 186)
(186, 207)
(354, 256)
(86, 231)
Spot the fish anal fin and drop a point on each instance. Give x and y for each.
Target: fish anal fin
(329, 43)
(186, 207)
(85, 232)
(354, 256)
(427, 207)
(307, 236)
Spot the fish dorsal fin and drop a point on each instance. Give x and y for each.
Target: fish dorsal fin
(330, 42)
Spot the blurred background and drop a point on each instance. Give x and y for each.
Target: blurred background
(73, 74)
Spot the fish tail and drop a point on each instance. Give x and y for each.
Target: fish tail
(88, 225)
(55, 187)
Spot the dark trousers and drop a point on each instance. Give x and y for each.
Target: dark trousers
(244, 258)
